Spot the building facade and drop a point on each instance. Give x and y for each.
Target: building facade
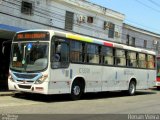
(138, 37)
(73, 15)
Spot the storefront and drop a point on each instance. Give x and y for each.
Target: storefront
(6, 34)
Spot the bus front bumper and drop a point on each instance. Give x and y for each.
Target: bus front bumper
(31, 88)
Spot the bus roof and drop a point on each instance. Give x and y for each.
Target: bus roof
(79, 37)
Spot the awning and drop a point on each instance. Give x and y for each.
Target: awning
(10, 28)
(7, 32)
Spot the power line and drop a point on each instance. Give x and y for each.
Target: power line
(140, 2)
(139, 24)
(155, 3)
(131, 21)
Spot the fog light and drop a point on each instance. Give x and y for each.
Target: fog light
(11, 78)
(39, 88)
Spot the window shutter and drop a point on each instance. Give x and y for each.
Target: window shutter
(69, 20)
(27, 8)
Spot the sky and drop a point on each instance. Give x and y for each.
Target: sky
(143, 14)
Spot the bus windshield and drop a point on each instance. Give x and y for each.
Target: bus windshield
(29, 56)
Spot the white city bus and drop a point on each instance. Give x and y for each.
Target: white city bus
(54, 62)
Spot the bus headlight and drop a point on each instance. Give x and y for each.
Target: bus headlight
(41, 79)
(11, 78)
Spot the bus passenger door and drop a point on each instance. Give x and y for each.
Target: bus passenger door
(108, 78)
(120, 79)
(92, 75)
(60, 66)
(151, 77)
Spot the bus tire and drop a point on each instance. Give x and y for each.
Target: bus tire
(132, 88)
(158, 87)
(76, 90)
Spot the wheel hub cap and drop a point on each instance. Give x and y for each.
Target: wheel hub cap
(132, 88)
(76, 90)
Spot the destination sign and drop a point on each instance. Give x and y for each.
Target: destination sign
(32, 36)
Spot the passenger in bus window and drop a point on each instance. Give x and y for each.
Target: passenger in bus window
(57, 57)
(118, 61)
(130, 64)
(58, 53)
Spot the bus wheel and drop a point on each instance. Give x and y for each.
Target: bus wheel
(132, 88)
(158, 87)
(77, 90)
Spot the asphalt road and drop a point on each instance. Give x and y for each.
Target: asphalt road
(111, 105)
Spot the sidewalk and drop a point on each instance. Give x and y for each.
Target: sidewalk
(4, 89)
(7, 93)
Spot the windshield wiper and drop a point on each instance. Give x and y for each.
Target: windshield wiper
(24, 58)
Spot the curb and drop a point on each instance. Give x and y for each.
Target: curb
(7, 93)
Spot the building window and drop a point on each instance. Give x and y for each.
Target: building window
(132, 41)
(111, 30)
(69, 20)
(145, 43)
(27, 8)
(90, 19)
(127, 39)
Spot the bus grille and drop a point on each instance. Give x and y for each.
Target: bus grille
(27, 81)
(25, 76)
(25, 86)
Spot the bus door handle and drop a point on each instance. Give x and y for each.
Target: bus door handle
(105, 81)
(148, 76)
(116, 75)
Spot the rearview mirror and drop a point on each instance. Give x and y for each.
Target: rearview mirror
(3, 49)
(4, 44)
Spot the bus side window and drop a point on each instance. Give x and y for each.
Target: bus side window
(64, 54)
(150, 62)
(107, 55)
(120, 57)
(118, 61)
(57, 53)
(60, 54)
(75, 51)
(131, 59)
(92, 54)
(142, 60)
